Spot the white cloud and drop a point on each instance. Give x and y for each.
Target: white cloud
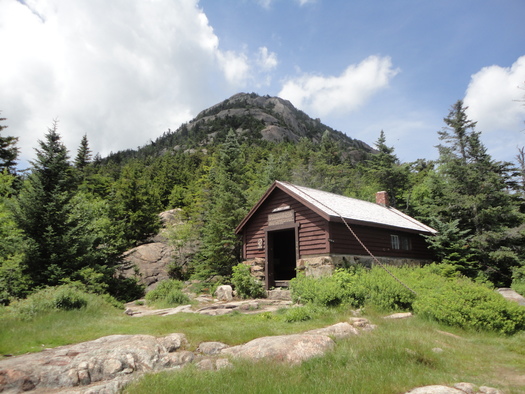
(122, 71)
(493, 98)
(322, 95)
(235, 67)
(266, 60)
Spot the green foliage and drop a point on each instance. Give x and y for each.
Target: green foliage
(168, 293)
(134, 207)
(225, 207)
(462, 303)
(8, 151)
(342, 287)
(64, 297)
(245, 284)
(442, 295)
(301, 313)
(518, 280)
(468, 195)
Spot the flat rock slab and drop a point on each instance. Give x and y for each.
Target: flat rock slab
(511, 295)
(104, 359)
(458, 388)
(339, 331)
(292, 349)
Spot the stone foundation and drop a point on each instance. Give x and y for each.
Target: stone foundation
(323, 265)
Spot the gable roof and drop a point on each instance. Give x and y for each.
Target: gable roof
(333, 207)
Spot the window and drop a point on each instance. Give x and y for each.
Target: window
(400, 242)
(394, 239)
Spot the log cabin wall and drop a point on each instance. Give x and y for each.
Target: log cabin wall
(378, 241)
(313, 229)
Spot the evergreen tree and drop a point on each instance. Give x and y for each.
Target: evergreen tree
(13, 283)
(471, 190)
(43, 212)
(134, 207)
(83, 157)
(8, 150)
(385, 169)
(225, 208)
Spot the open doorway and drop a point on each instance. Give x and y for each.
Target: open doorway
(281, 256)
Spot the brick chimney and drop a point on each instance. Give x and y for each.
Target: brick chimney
(382, 199)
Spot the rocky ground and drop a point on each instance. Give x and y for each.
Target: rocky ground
(109, 363)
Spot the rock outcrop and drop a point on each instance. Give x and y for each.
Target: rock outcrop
(150, 262)
(108, 363)
(113, 358)
(292, 349)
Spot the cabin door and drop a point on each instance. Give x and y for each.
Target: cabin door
(281, 255)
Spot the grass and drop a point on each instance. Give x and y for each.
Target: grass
(58, 328)
(394, 358)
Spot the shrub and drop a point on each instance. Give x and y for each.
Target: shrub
(69, 298)
(518, 280)
(168, 293)
(49, 299)
(463, 303)
(245, 284)
(300, 313)
(383, 292)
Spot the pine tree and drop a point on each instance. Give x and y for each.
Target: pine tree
(225, 208)
(8, 151)
(134, 207)
(472, 191)
(385, 169)
(83, 157)
(43, 212)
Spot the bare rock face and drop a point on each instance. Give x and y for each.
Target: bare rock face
(148, 262)
(511, 295)
(338, 330)
(224, 293)
(288, 348)
(105, 359)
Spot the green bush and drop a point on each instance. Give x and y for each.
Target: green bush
(384, 292)
(68, 298)
(340, 288)
(463, 303)
(442, 295)
(245, 284)
(168, 293)
(64, 297)
(300, 313)
(518, 280)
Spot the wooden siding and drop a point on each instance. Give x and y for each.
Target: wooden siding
(313, 228)
(377, 240)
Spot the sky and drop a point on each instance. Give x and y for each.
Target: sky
(123, 72)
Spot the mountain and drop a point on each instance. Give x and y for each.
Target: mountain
(256, 119)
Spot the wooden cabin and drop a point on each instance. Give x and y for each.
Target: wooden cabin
(298, 228)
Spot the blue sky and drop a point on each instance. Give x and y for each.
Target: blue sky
(125, 71)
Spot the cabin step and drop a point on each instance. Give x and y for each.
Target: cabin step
(279, 294)
(282, 283)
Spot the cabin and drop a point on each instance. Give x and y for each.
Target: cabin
(295, 228)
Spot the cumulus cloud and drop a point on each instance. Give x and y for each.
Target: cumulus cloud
(122, 71)
(267, 61)
(495, 100)
(323, 95)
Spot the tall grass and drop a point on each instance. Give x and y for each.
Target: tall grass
(394, 358)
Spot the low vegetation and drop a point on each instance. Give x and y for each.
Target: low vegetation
(480, 337)
(435, 292)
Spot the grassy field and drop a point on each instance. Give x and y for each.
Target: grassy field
(394, 358)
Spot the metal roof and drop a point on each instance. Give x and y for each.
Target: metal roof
(334, 205)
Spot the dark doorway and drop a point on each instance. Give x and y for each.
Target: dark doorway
(282, 257)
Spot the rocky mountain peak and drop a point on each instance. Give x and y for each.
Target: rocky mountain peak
(262, 117)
